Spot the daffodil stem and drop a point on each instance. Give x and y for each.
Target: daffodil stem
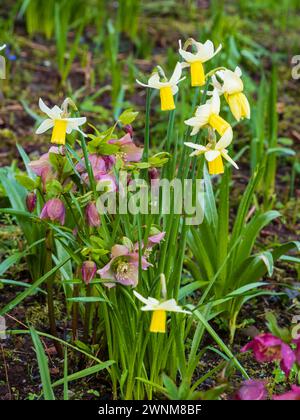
(50, 300)
(147, 126)
(87, 315)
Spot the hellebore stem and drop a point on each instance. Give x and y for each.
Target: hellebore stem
(50, 300)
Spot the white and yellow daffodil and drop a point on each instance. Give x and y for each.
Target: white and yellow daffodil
(159, 308)
(232, 88)
(208, 115)
(195, 60)
(167, 88)
(214, 152)
(58, 118)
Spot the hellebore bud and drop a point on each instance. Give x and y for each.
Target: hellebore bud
(92, 215)
(88, 271)
(31, 201)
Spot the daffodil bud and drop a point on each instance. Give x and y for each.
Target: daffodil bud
(92, 215)
(31, 201)
(54, 210)
(88, 271)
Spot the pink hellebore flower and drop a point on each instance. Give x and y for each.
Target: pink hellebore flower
(92, 215)
(268, 348)
(131, 152)
(123, 267)
(42, 166)
(88, 271)
(54, 210)
(293, 394)
(100, 166)
(155, 239)
(252, 390)
(106, 182)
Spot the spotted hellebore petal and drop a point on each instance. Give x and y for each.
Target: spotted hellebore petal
(54, 210)
(268, 348)
(252, 390)
(292, 395)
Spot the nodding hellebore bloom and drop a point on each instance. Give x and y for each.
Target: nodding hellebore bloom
(123, 267)
(195, 60)
(128, 150)
(43, 168)
(159, 308)
(268, 348)
(208, 115)
(232, 88)
(59, 119)
(214, 152)
(54, 210)
(167, 88)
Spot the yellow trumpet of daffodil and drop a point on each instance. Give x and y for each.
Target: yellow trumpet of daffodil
(214, 152)
(195, 60)
(159, 308)
(58, 118)
(232, 88)
(167, 88)
(208, 115)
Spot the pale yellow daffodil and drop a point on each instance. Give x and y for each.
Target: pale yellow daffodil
(208, 115)
(214, 152)
(58, 118)
(159, 309)
(232, 88)
(195, 60)
(167, 88)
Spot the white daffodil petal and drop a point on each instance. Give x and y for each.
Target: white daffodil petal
(45, 125)
(225, 155)
(195, 146)
(188, 56)
(216, 84)
(174, 89)
(225, 140)
(154, 81)
(176, 74)
(215, 102)
(141, 84)
(140, 297)
(211, 155)
(238, 71)
(53, 113)
(2, 47)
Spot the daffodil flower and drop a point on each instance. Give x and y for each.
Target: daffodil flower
(215, 152)
(2, 47)
(167, 88)
(58, 118)
(232, 87)
(159, 309)
(203, 53)
(208, 115)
